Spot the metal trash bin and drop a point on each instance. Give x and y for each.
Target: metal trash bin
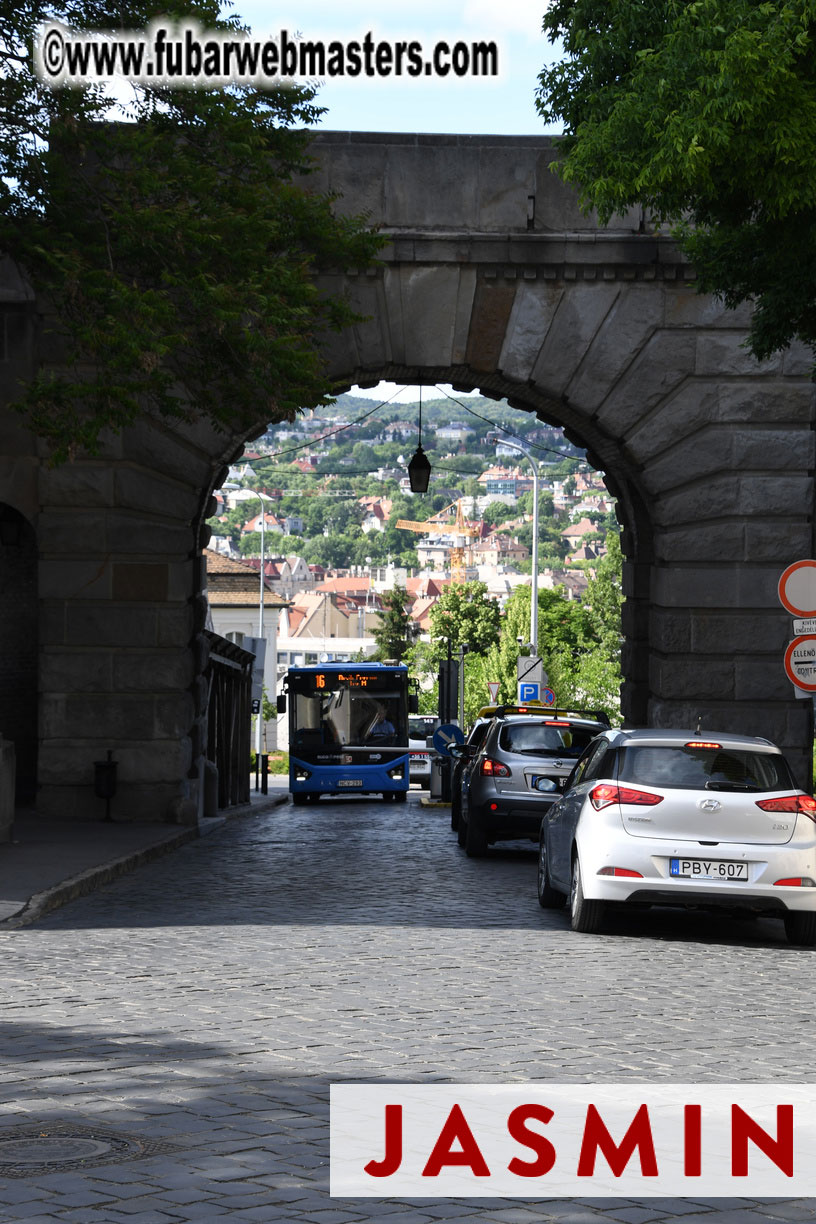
(437, 775)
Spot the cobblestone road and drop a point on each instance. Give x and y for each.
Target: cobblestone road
(205, 1003)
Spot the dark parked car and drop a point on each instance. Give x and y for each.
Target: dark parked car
(461, 760)
(519, 771)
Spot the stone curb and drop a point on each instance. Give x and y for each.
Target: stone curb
(89, 881)
(434, 803)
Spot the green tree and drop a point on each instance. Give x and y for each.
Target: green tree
(176, 252)
(574, 644)
(604, 597)
(235, 519)
(367, 548)
(394, 633)
(498, 512)
(331, 551)
(366, 457)
(703, 113)
(463, 614)
(592, 678)
(546, 507)
(249, 545)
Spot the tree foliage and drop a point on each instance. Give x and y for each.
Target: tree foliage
(394, 634)
(176, 250)
(464, 615)
(704, 113)
(578, 643)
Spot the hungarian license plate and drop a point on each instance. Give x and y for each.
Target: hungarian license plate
(350, 782)
(419, 756)
(707, 869)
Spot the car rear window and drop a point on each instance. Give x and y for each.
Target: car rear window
(704, 768)
(420, 728)
(543, 739)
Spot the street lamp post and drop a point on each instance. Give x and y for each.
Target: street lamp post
(261, 601)
(534, 593)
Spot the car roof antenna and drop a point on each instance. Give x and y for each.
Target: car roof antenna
(699, 726)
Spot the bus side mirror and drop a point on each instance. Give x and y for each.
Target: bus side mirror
(413, 703)
(281, 703)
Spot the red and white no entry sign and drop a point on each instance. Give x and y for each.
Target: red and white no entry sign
(797, 588)
(800, 663)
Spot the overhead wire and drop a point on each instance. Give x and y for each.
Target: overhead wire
(495, 425)
(311, 442)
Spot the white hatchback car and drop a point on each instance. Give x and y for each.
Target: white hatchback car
(696, 819)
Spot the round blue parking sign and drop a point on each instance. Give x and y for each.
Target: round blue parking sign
(446, 735)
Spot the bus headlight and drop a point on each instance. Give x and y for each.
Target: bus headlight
(302, 775)
(397, 773)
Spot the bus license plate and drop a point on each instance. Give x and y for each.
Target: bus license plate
(705, 869)
(350, 782)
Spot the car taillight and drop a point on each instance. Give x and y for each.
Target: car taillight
(493, 769)
(790, 803)
(601, 796)
(620, 871)
(796, 882)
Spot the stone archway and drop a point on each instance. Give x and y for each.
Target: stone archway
(491, 279)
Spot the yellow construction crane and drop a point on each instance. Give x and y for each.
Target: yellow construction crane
(463, 533)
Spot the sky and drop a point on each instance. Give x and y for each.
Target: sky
(505, 106)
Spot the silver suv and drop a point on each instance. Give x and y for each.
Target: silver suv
(519, 772)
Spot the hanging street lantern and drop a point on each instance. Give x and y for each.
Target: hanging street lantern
(419, 471)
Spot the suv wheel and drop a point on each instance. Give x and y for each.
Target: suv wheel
(475, 840)
(585, 916)
(548, 898)
(800, 928)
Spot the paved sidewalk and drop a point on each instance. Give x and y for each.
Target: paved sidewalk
(50, 862)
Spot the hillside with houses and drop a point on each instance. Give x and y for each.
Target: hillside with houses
(329, 499)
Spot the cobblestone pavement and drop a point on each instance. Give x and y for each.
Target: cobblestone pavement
(205, 1003)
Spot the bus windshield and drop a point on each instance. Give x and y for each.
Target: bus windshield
(354, 708)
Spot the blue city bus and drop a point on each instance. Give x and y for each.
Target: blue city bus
(348, 730)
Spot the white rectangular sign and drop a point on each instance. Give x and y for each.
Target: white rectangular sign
(804, 625)
(545, 1141)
